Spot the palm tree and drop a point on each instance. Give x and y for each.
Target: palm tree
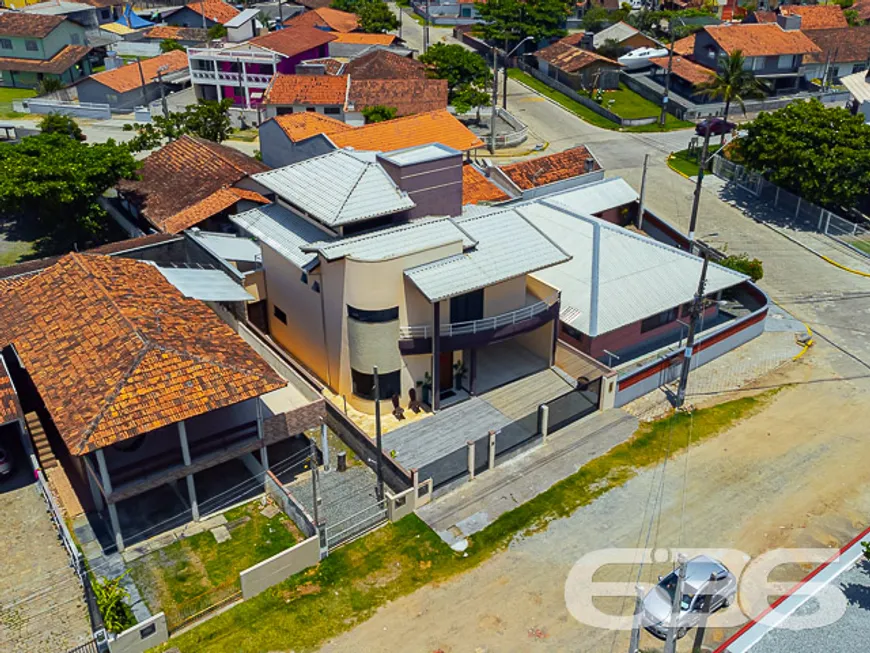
(732, 83)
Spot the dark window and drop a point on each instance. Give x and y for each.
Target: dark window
(304, 278)
(373, 317)
(467, 307)
(31, 46)
(5, 44)
(75, 39)
(656, 321)
(147, 631)
(280, 315)
(332, 111)
(364, 384)
(315, 286)
(283, 111)
(106, 13)
(311, 109)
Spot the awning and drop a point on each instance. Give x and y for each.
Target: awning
(206, 285)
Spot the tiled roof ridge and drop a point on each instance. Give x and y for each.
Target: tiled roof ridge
(218, 153)
(365, 169)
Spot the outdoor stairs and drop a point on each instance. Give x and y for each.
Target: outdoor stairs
(40, 441)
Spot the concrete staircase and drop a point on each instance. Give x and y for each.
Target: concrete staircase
(41, 445)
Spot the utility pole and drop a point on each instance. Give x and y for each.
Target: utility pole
(426, 29)
(401, 14)
(280, 16)
(505, 75)
(202, 10)
(671, 641)
(697, 307)
(642, 190)
(493, 113)
(312, 460)
(634, 643)
(378, 439)
(163, 103)
(668, 75)
(701, 630)
(142, 80)
(696, 201)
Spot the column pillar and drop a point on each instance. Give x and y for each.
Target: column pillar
(436, 356)
(113, 511)
(324, 445)
(555, 339)
(185, 455)
(472, 372)
(261, 435)
(492, 450)
(470, 445)
(543, 419)
(96, 494)
(220, 94)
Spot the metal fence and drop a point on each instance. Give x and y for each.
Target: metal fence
(798, 213)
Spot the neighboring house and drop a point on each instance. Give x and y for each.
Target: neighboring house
(350, 44)
(330, 20)
(344, 97)
(78, 12)
(122, 89)
(34, 47)
(773, 52)
(447, 12)
(686, 75)
(243, 71)
(139, 387)
(383, 64)
(191, 182)
(685, 47)
(626, 36)
(863, 9)
(415, 296)
(843, 51)
(859, 88)
(478, 189)
(296, 137)
(547, 174)
(578, 69)
(108, 11)
(242, 27)
(827, 16)
(202, 14)
(186, 36)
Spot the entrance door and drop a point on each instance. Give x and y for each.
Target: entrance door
(445, 371)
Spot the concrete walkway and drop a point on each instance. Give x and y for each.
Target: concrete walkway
(475, 505)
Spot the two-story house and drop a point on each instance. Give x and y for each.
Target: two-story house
(34, 47)
(202, 14)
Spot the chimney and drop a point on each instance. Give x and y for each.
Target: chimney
(789, 22)
(588, 165)
(431, 175)
(587, 41)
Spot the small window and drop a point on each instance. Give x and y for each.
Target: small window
(304, 278)
(659, 320)
(389, 384)
(785, 61)
(105, 13)
(332, 111)
(283, 111)
(75, 39)
(373, 317)
(280, 315)
(315, 286)
(311, 109)
(111, 98)
(5, 44)
(31, 46)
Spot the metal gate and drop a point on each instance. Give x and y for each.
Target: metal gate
(748, 180)
(355, 525)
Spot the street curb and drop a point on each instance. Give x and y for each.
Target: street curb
(564, 108)
(682, 174)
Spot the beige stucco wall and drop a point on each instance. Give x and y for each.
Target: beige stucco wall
(539, 288)
(539, 341)
(504, 297)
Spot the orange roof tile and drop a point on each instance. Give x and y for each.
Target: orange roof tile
(685, 69)
(292, 41)
(383, 64)
(10, 410)
(477, 188)
(58, 64)
(178, 33)
(14, 23)
(306, 89)
(337, 21)
(177, 182)
(358, 38)
(220, 200)
(399, 133)
(817, 16)
(760, 40)
(219, 12)
(299, 126)
(407, 96)
(570, 59)
(863, 9)
(126, 78)
(839, 45)
(685, 47)
(545, 170)
(116, 351)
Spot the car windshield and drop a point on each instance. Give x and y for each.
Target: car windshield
(669, 584)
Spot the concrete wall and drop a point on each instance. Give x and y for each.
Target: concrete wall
(278, 150)
(290, 505)
(280, 567)
(435, 186)
(272, 110)
(142, 637)
(91, 90)
(504, 297)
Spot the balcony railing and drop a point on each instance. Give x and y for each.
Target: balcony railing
(230, 55)
(482, 325)
(250, 79)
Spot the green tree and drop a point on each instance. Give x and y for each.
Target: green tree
(595, 19)
(459, 66)
(817, 152)
(344, 5)
(264, 20)
(732, 83)
(379, 113)
(52, 182)
(49, 85)
(216, 32)
(168, 45)
(509, 21)
(853, 18)
(611, 48)
(752, 268)
(208, 119)
(56, 123)
(470, 96)
(375, 17)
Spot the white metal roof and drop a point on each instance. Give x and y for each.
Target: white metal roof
(228, 246)
(206, 285)
(396, 241)
(338, 188)
(507, 246)
(283, 231)
(420, 154)
(56, 7)
(617, 32)
(597, 196)
(857, 85)
(639, 277)
(242, 18)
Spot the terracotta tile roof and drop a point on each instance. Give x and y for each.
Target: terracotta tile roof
(10, 410)
(816, 16)
(293, 40)
(116, 351)
(306, 89)
(545, 170)
(299, 126)
(477, 188)
(178, 33)
(572, 39)
(686, 46)
(335, 20)
(331, 65)
(181, 175)
(14, 23)
(220, 200)
(59, 63)
(570, 59)
(383, 64)
(685, 69)
(863, 9)
(358, 38)
(848, 45)
(219, 12)
(762, 40)
(407, 96)
(399, 133)
(126, 78)
(763, 16)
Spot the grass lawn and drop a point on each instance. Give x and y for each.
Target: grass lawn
(7, 95)
(687, 162)
(863, 245)
(349, 585)
(197, 571)
(12, 252)
(246, 135)
(627, 104)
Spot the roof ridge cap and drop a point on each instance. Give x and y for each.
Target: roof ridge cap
(356, 183)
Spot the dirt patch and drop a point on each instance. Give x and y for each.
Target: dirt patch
(380, 579)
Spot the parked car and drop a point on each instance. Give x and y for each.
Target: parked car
(717, 127)
(706, 579)
(5, 464)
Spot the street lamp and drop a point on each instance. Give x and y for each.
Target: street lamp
(506, 57)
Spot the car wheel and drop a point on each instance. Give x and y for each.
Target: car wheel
(681, 633)
(728, 600)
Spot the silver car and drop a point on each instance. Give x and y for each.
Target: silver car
(706, 579)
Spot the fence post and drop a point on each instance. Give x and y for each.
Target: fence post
(543, 418)
(798, 208)
(470, 445)
(776, 197)
(821, 219)
(492, 449)
(828, 223)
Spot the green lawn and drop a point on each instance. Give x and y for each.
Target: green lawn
(687, 162)
(7, 95)
(627, 104)
(863, 245)
(197, 571)
(348, 586)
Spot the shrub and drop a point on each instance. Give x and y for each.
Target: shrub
(753, 268)
(111, 598)
(56, 123)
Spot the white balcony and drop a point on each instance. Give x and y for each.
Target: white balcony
(231, 79)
